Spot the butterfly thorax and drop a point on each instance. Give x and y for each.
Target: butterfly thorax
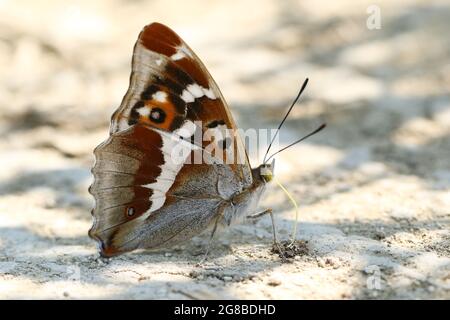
(245, 203)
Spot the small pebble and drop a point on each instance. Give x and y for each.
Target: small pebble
(332, 262)
(379, 235)
(321, 263)
(274, 282)
(168, 254)
(227, 278)
(193, 274)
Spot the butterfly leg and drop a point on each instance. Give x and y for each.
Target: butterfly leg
(275, 239)
(260, 214)
(274, 230)
(205, 256)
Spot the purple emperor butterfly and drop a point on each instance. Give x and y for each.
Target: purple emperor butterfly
(145, 198)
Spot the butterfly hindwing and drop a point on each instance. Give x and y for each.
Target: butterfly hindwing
(190, 205)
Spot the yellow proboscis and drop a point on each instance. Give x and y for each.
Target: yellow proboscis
(294, 231)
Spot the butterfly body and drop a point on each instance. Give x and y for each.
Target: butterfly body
(149, 192)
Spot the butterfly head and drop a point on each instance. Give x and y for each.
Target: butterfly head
(266, 171)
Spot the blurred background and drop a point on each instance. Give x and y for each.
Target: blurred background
(373, 188)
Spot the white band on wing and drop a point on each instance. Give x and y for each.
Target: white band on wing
(175, 151)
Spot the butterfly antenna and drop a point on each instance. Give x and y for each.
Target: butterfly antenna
(285, 117)
(299, 140)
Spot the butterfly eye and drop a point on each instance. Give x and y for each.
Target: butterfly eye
(130, 211)
(266, 172)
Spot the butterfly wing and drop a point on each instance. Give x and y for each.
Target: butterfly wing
(144, 196)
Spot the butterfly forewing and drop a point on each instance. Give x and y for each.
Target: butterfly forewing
(166, 73)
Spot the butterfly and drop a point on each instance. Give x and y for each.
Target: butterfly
(144, 198)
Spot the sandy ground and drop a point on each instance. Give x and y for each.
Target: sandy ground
(373, 188)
